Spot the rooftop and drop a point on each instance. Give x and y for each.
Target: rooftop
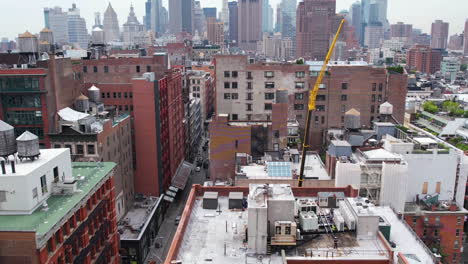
(88, 174)
(136, 220)
(218, 237)
(26, 166)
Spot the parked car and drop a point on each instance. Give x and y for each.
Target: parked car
(177, 220)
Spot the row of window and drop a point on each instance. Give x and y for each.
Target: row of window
(19, 84)
(24, 117)
(268, 85)
(117, 95)
(106, 69)
(79, 148)
(23, 101)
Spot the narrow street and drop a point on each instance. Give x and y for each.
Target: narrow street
(169, 227)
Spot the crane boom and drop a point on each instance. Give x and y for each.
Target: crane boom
(313, 99)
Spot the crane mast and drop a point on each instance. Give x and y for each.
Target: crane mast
(312, 102)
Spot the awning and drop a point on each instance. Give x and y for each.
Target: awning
(182, 174)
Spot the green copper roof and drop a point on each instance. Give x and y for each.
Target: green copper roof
(40, 221)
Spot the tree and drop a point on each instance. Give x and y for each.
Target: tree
(430, 107)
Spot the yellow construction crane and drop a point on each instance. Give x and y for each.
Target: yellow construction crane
(312, 101)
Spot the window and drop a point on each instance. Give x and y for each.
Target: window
(459, 220)
(268, 106)
(342, 119)
(234, 85)
(227, 85)
(298, 117)
(131, 94)
(278, 230)
(106, 69)
(249, 107)
(373, 98)
(321, 97)
(125, 95)
(323, 120)
(138, 68)
(56, 174)
(425, 232)
(415, 220)
(119, 95)
(57, 146)
(85, 69)
(148, 68)
(43, 184)
(343, 108)
(235, 74)
(298, 107)
(108, 95)
(114, 94)
(103, 95)
(91, 150)
(455, 257)
(316, 120)
(372, 109)
(79, 149)
(269, 96)
(3, 196)
(374, 87)
(457, 232)
(269, 74)
(300, 74)
(120, 108)
(249, 96)
(269, 85)
(299, 96)
(300, 85)
(227, 96)
(234, 96)
(235, 117)
(34, 193)
(380, 98)
(227, 74)
(249, 117)
(249, 86)
(322, 86)
(344, 97)
(126, 107)
(380, 87)
(344, 86)
(95, 69)
(249, 76)
(287, 230)
(320, 108)
(456, 245)
(436, 232)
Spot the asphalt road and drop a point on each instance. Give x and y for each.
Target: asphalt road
(168, 227)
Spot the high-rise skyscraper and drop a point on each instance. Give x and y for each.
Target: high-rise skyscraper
(147, 18)
(439, 34)
(132, 28)
(57, 21)
(224, 17)
(267, 26)
(209, 12)
(111, 25)
(199, 20)
(373, 12)
(157, 17)
(315, 20)
(181, 16)
(233, 23)
(215, 31)
(77, 31)
(288, 18)
(356, 18)
(466, 39)
(401, 30)
(250, 24)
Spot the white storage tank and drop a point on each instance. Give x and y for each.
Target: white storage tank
(7, 139)
(308, 221)
(353, 119)
(386, 109)
(94, 94)
(28, 146)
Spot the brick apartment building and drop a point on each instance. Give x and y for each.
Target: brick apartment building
(31, 97)
(424, 59)
(112, 143)
(159, 131)
(246, 91)
(68, 217)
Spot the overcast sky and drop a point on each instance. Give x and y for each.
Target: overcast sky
(21, 15)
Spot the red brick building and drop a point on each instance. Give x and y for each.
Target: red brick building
(424, 59)
(441, 229)
(31, 97)
(159, 131)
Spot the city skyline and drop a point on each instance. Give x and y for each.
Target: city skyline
(398, 10)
